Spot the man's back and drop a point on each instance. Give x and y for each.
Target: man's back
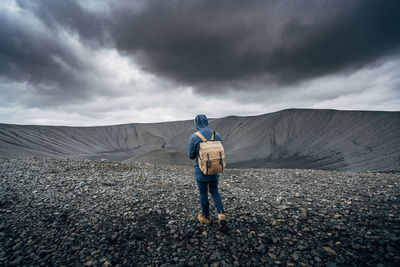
(201, 123)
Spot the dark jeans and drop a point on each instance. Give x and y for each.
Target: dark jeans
(203, 190)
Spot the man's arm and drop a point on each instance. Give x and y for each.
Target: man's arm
(192, 147)
(217, 137)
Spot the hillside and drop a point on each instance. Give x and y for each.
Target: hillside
(296, 138)
(93, 213)
(165, 157)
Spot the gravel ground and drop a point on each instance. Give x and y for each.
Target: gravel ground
(65, 212)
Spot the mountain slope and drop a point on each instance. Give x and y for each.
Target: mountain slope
(322, 139)
(162, 156)
(296, 138)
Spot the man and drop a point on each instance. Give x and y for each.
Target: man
(205, 182)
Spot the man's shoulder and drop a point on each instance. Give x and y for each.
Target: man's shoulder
(194, 137)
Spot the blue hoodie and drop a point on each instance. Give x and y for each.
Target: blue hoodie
(201, 124)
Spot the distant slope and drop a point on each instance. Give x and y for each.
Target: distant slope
(295, 138)
(117, 142)
(321, 139)
(163, 157)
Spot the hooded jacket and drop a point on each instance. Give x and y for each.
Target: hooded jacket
(201, 124)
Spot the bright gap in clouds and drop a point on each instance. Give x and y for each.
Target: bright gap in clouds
(134, 96)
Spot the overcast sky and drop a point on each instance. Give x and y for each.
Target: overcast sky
(89, 62)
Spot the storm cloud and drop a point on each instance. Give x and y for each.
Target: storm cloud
(63, 52)
(202, 42)
(45, 59)
(286, 41)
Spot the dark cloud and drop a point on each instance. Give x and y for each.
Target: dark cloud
(41, 58)
(70, 15)
(202, 42)
(199, 42)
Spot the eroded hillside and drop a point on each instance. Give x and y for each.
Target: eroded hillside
(316, 139)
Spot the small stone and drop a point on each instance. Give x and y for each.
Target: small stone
(95, 252)
(336, 216)
(236, 263)
(114, 236)
(272, 256)
(295, 256)
(261, 248)
(107, 264)
(314, 252)
(88, 263)
(215, 256)
(303, 213)
(251, 234)
(329, 251)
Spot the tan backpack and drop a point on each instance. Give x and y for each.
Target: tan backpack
(211, 155)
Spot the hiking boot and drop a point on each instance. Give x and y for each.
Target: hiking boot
(222, 219)
(203, 219)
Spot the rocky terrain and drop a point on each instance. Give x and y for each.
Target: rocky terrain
(82, 213)
(295, 138)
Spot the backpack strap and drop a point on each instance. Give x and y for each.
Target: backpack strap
(201, 136)
(212, 136)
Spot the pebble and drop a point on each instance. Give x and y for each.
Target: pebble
(329, 251)
(261, 248)
(251, 234)
(88, 263)
(295, 256)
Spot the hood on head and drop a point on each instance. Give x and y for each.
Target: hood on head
(201, 122)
